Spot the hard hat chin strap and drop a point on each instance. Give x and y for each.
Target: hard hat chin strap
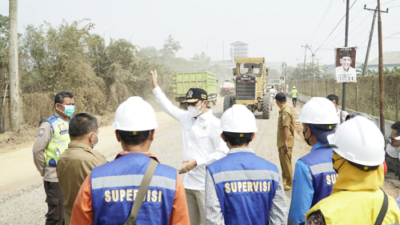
(364, 168)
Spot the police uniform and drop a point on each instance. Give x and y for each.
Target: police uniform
(285, 120)
(51, 141)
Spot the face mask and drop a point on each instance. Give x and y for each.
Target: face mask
(69, 110)
(307, 140)
(97, 137)
(194, 110)
(393, 151)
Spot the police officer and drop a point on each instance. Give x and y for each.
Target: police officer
(51, 141)
(243, 188)
(314, 175)
(356, 197)
(108, 193)
(285, 140)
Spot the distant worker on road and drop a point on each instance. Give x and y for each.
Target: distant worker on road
(272, 92)
(342, 115)
(314, 175)
(108, 195)
(285, 140)
(294, 96)
(50, 143)
(243, 188)
(76, 162)
(202, 144)
(357, 197)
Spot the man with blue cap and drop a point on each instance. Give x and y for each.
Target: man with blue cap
(314, 175)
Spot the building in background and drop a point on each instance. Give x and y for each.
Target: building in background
(390, 60)
(239, 50)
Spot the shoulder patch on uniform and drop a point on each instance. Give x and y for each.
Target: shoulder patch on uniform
(283, 117)
(41, 131)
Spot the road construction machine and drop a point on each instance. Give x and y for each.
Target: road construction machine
(250, 86)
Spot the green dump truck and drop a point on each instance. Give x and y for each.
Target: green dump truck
(201, 79)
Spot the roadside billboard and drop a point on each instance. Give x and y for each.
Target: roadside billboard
(345, 61)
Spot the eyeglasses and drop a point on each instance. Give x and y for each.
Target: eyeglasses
(391, 140)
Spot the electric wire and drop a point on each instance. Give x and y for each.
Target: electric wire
(321, 21)
(336, 26)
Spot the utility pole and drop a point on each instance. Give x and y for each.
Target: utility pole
(305, 57)
(346, 37)
(370, 36)
(313, 56)
(13, 65)
(381, 83)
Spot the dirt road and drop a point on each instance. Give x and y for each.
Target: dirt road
(21, 189)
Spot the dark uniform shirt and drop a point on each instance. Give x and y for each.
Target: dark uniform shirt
(285, 120)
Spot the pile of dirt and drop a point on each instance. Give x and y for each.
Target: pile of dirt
(10, 141)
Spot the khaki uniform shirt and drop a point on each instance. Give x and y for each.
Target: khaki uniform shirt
(39, 156)
(73, 166)
(285, 120)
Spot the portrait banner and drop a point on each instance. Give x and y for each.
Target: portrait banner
(345, 62)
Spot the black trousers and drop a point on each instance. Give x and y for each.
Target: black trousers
(55, 201)
(294, 100)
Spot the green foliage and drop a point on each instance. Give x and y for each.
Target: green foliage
(4, 31)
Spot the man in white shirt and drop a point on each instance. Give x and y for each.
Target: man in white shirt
(202, 144)
(272, 91)
(341, 114)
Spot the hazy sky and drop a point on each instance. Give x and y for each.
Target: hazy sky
(273, 29)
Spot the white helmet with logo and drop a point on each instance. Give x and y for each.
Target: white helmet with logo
(135, 114)
(359, 141)
(238, 119)
(294, 87)
(319, 111)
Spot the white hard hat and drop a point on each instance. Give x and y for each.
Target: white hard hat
(238, 119)
(294, 86)
(319, 111)
(135, 114)
(359, 141)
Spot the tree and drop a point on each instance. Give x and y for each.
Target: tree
(4, 31)
(171, 47)
(13, 66)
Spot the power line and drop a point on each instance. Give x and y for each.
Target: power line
(350, 31)
(363, 21)
(382, 39)
(336, 26)
(356, 15)
(321, 20)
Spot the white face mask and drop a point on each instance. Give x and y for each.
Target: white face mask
(393, 151)
(194, 110)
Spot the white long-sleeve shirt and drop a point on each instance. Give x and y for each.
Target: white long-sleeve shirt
(201, 140)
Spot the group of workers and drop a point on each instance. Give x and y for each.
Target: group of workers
(221, 180)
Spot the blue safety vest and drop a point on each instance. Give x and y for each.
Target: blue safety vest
(245, 186)
(115, 186)
(319, 162)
